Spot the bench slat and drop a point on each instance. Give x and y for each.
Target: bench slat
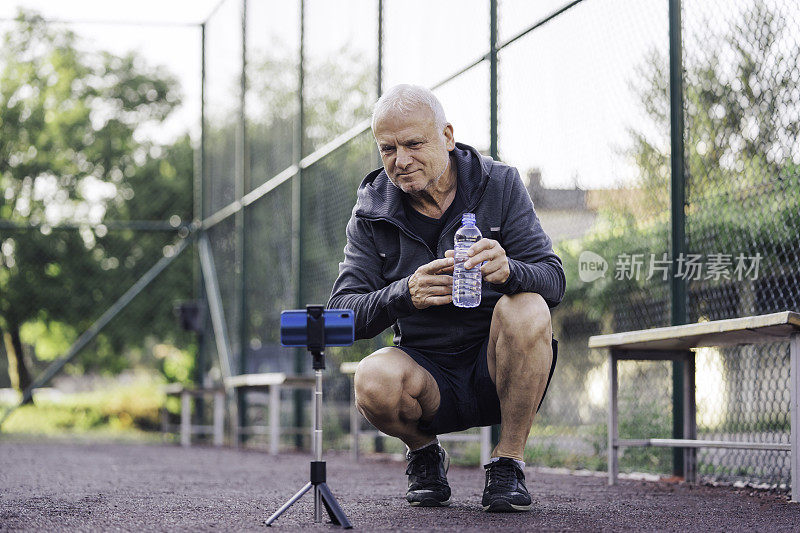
(693, 443)
(748, 330)
(268, 379)
(348, 367)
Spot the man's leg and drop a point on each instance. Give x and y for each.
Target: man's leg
(519, 356)
(395, 394)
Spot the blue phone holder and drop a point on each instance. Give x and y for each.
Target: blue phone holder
(315, 328)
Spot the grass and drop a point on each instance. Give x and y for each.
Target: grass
(130, 411)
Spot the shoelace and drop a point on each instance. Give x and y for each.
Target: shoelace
(423, 462)
(502, 475)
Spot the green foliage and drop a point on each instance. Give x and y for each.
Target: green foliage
(69, 155)
(68, 122)
(124, 409)
(50, 340)
(177, 365)
(648, 420)
(735, 136)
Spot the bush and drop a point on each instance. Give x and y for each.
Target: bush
(124, 409)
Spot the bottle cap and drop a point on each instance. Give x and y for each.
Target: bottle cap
(468, 218)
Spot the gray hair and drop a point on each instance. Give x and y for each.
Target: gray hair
(406, 98)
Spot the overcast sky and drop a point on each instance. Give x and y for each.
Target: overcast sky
(565, 99)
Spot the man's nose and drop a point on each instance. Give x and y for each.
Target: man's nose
(403, 159)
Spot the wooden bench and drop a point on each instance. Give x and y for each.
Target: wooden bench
(186, 429)
(485, 438)
(272, 383)
(676, 343)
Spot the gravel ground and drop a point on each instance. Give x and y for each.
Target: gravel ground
(49, 485)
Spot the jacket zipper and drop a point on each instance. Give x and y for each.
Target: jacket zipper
(403, 229)
(445, 230)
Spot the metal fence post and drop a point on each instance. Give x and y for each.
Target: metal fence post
(794, 414)
(678, 202)
(198, 214)
(240, 221)
(380, 49)
(493, 147)
(297, 220)
(377, 162)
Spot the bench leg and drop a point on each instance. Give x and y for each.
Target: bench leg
(613, 465)
(274, 419)
(219, 418)
(794, 378)
(232, 400)
(355, 423)
(689, 417)
(186, 419)
(486, 444)
(164, 415)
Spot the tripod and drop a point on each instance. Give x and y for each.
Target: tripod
(322, 494)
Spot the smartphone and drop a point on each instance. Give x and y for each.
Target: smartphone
(339, 327)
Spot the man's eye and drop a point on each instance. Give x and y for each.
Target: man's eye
(386, 149)
(414, 143)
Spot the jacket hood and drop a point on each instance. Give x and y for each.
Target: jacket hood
(380, 198)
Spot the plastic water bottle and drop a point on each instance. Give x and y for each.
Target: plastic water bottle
(466, 283)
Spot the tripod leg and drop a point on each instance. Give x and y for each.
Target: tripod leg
(334, 511)
(289, 503)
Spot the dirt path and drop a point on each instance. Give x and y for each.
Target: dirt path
(68, 486)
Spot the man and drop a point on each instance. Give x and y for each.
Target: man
(451, 368)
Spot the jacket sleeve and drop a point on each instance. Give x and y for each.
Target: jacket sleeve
(361, 287)
(533, 265)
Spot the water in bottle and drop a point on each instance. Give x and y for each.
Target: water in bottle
(466, 283)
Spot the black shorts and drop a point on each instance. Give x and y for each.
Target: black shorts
(468, 395)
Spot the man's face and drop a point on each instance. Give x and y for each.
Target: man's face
(414, 153)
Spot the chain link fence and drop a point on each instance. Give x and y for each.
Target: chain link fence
(583, 91)
(584, 114)
(96, 178)
(570, 118)
(740, 106)
(742, 153)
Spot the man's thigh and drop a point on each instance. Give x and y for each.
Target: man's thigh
(468, 397)
(391, 372)
(522, 315)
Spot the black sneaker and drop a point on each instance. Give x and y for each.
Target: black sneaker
(505, 487)
(427, 477)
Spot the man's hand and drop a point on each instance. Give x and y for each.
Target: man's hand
(430, 284)
(496, 269)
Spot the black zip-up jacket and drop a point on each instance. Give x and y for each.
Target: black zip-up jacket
(382, 252)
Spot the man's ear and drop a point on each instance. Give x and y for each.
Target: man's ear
(449, 139)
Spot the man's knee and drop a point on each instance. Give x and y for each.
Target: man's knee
(524, 316)
(379, 381)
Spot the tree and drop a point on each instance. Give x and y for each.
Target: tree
(337, 96)
(741, 112)
(69, 156)
(743, 191)
(741, 152)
